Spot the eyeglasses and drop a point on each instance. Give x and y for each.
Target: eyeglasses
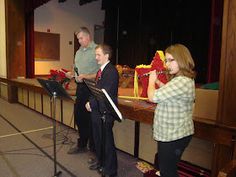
(169, 60)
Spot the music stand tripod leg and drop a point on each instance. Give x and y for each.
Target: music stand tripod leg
(56, 174)
(103, 148)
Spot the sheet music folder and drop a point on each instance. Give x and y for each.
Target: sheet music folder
(52, 86)
(102, 95)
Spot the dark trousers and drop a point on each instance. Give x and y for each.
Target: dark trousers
(83, 117)
(107, 159)
(169, 154)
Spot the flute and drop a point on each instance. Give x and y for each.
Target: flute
(158, 73)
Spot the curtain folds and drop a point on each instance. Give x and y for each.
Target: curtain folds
(30, 5)
(29, 30)
(214, 53)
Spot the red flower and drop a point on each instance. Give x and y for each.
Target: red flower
(60, 76)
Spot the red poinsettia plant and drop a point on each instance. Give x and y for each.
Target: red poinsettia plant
(60, 76)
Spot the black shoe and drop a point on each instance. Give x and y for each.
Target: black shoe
(77, 150)
(94, 166)
(92, 161)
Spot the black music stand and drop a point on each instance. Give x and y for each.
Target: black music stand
(106, 106)
(54, 90)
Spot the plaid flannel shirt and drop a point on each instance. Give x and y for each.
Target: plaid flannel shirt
(173, 114)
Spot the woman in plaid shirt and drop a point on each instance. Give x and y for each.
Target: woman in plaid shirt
(173, 125)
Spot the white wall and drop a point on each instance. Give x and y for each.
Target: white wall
(3, 67)
(65, 18)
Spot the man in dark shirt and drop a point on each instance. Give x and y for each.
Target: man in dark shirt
(108, 80)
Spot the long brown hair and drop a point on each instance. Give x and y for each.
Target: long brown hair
(184, 59)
